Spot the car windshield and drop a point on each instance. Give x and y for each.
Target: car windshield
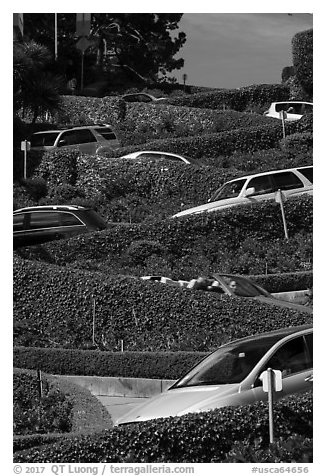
(228, 190)
(243, 286)
(43, 140)
(229, 364)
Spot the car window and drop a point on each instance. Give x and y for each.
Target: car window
(262, 185)
(282, 106)
(308, 173)
(69, 138)
(43, 140)
(144, 98)
(43, 219)
(106, 133)
(19, 222)
(244, 287)
(229, 364)
(68, 219)
(291, 358)
(308, 108)
(84, 136)
(286, 181)
(229, 190)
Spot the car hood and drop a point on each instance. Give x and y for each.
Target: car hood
(282, 303)
(179, 401)
(212, 206)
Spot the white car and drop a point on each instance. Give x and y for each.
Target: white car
(258, 187)
(293, 110)
(88, 139)
(156, 155)
(233, 374)
(142, 97)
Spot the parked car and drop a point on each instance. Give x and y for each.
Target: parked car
(34, 225)
(294, 110)
(258, 187)
(156, 155)
(88, 139)
(231, 376)
(142, 97)
(232, 285)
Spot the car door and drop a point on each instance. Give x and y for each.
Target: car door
(294, 358)
(19, 229)
(70, 225)
(263, 186)
(42, 226)
(289, 183)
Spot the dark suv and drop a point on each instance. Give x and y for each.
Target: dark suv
(34, 225)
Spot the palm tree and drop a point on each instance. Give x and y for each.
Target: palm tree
(36, 90)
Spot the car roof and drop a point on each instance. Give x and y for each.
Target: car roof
(51, 207)
(294, 102)
(90, 126)
(270, 172)
(284, 332)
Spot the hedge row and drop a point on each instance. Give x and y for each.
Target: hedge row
(216, 233)
(146, 122)
(85, 415)
(33, 414)
(239, 99)
(57, 306)
(206, 437)
(210, 145)
(276, 283)
(302, 53)
(158, 365)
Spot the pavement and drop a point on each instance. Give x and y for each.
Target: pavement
(119, 406)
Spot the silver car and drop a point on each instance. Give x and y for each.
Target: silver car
(256, 188)
(231, 375)
(292, 110)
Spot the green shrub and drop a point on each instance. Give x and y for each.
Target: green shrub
(206, 437)
(35, 414)
(290, 449)
(59, 166)
(284, 282)
(210, 145)
(158, 365)
(302, 54)
(57, 303)
(297, 143)
(237, 99)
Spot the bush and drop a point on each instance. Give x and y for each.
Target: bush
(302, 54)
(298, 143)
(35, 414)
(237, 99)
(157, 365)
(206, 437)
(56, 304)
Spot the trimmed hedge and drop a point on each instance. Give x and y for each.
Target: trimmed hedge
(215, 232)
(54, 306)
(302, 54)
(276, 283)
(205, 437)
(147, 122)
(238, 99)
(210, 145)
(157, 365)
(299, 142)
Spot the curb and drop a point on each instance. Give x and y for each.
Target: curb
(120, 386)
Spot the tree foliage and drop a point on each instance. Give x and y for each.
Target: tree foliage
(302, 52)
(138, 43)
(36, 90)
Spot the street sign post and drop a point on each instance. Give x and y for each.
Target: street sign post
(82, 44)
(283, 116)
(272, 382)
(25, 145)
(279, 198)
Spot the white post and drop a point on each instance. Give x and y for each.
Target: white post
(93, 321)
(283, 214)
(270, 376)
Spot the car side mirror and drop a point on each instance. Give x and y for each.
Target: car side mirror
(250, 191)
(62, 142)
